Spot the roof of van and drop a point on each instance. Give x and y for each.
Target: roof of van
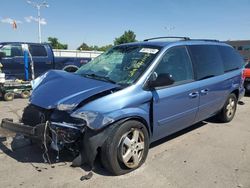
(163, 43)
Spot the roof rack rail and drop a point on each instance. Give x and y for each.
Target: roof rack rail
(172, 37)
(208, 40)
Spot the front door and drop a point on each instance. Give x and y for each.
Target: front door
(175, 106)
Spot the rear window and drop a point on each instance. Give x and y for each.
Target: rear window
(37, 50)
(231, 59)
(207, 61)
(248, 66)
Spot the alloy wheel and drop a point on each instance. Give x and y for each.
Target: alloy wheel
(132, 148)
(230, 108)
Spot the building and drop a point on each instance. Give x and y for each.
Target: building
(243, 47)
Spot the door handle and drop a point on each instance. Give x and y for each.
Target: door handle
(204, 91)
(194, 94)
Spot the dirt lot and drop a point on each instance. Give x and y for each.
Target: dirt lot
(206, 155)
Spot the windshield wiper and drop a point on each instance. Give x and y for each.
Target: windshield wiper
(105, 78)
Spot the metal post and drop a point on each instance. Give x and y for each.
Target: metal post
(39, 25)
(38, 6)
(26, 64)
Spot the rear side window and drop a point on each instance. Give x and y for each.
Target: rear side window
(37, 50)
(231, 59)
(207, 60)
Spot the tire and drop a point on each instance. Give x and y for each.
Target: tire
(70, 69)
(25, 94)
(115, 152)
(247, 87)
(228, 111)
(8, 96)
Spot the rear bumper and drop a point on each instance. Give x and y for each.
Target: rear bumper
(34, 132)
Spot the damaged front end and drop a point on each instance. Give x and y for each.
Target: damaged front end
(58, 130)
(50, 116)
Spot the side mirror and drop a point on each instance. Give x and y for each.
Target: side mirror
(159, 80)
(2, 54)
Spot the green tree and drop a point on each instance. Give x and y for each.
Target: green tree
(128, 36)
(56, 44)
(84, 46)
(105, 48)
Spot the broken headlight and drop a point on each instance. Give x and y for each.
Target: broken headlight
(94, 120)
(66, 107)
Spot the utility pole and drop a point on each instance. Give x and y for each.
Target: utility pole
(38, 6)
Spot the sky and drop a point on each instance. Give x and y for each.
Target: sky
(99, 22)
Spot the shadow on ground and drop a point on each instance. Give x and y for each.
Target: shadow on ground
(33, 152)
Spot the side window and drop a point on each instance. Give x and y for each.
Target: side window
(231, 59)
(207, 59)
(12, 50)
(177, 64)
(37, 50)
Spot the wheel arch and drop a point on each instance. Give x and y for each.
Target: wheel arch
(67, 67)
(236, 92)
(139, 119)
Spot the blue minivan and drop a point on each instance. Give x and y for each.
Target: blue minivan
(131, 96)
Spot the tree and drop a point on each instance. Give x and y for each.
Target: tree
(55, 44)
(105, 48)
(83, 46)
(128, 36)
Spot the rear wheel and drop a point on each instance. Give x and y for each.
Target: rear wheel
(126, 148)
(8, 96)
(228, 111)
(25, 94)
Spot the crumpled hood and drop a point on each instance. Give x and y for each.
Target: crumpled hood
(60, 87)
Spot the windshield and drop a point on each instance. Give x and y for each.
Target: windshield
(121, 65)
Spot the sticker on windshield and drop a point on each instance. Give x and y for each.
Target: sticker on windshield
(149, 50)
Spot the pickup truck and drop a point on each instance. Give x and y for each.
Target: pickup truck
(12, 59)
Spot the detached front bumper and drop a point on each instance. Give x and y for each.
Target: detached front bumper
(29, 131)
(89, 143)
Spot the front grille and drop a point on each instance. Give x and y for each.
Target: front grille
(34, 115)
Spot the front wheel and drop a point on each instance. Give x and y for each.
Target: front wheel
(228, 111)
(9, 96)
(126, 148)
